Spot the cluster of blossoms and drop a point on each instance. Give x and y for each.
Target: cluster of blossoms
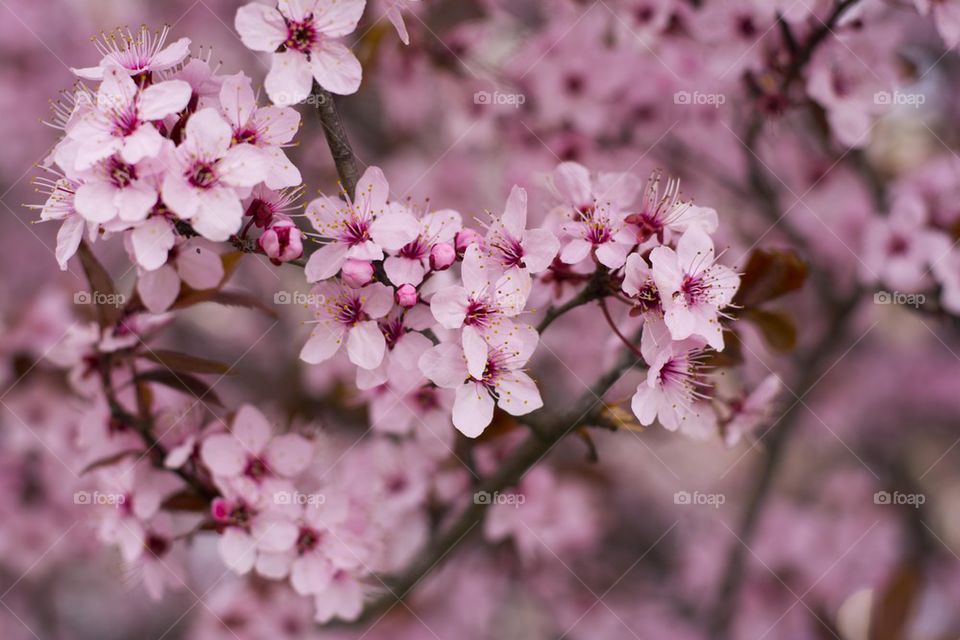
(442, 323)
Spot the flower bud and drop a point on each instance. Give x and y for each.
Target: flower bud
(282, 241)
(465, 238)
(407, 295)
(356, 273)
(220, 509)
(442, 256)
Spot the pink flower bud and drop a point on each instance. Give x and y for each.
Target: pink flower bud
(282, 241)
(407, 295)
(220, 509)
(356, 273)
(442, 256)
(465, 238)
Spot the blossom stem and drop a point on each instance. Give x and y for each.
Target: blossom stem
(613, 325)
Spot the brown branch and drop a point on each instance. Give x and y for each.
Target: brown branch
(336, 135)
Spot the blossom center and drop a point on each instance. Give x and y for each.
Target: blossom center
(355, 232)
(308, 540)
(302, 36)
(478, 314)
(350, 311)
(122, 174)
(202, 175)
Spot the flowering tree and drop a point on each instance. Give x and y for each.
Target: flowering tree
(440, 428)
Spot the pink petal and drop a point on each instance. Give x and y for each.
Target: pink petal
(475, 351)
(449, 306)
(395, 228)
(68, 240)
(540, 247)
(208, 134)
(472, 409)
(377, 299)
(366, 345)
(261, 28)
(220, 214)
(310, 574)
(152, 242)
(163, 99)
(290, 78)
(237, 99)
(323, 343)
(237, 550)
(514, 216)
(251, 428)
(404, 270)
(198, 265)
(224, 455)
(518, 394)
(337, 19)
(289, 454)
(145, 142)
(171, 55)
(325, 262)
(159, 288)
(94, 201)
(335, 68)
(242, 166)
(277, 125)
(444, 365)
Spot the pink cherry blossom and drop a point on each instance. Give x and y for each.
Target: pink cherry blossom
(342, 311)
(638, 283)
(203, 186)
(675, 381)
(594, 214)
(694, 289)
(114, 189)
(408, 262)
(898, 249)
(511, 245)
(250, 451)
(661, 215)
(122, 121)
(347, 226)
(138, 54)
(301, 36)
(485, 374)
(266, 128)
(250, 524)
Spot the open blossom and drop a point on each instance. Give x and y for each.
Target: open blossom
(250, 453)
(595, 214)
(484, 374)
(898, 249)
(511, 245)
(122, 121)
(638, 283)
(301, 35)
(408, 262)
(693, 288)
(675, 382)
(343, 311)
(203, 184)
(659, 216)
(137, 54)
(348, 226)
(481, 308)
(115, 189)
(250, 524)
(266, 128)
